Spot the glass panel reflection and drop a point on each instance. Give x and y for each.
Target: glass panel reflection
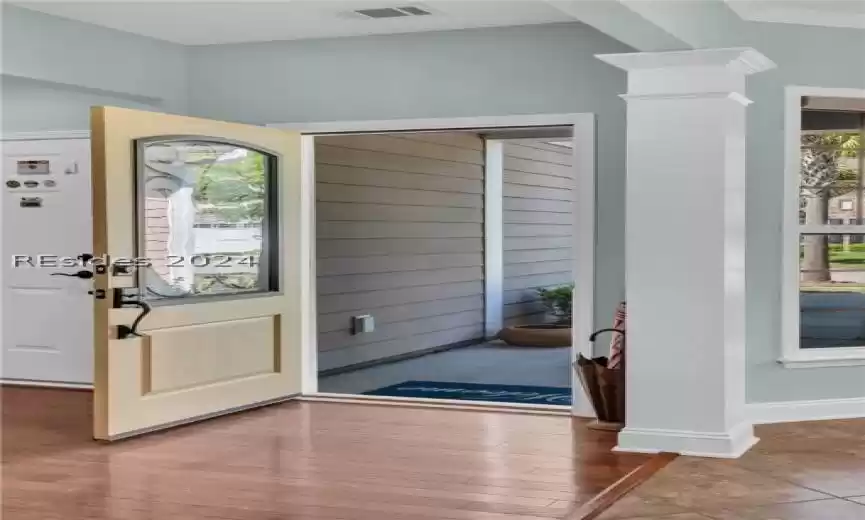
(832, 291)
(204, 211)
(831, 182)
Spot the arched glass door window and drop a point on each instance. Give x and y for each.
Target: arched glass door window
(207, 218)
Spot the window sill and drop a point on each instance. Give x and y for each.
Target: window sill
(825, 358)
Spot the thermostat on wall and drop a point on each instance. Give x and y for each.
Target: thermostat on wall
(34, 167)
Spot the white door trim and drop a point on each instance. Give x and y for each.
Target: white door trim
(493, 237)
(433, 124)
(584, 218)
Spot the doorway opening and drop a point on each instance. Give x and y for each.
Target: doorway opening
(476, 284)
(430, 238)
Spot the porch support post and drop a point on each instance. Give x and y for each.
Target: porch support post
(685, 243)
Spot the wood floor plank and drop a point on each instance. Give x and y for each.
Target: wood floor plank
(315, 460)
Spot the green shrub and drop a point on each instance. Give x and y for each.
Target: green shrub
(558, 301)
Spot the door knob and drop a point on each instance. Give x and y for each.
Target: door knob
(84, 275)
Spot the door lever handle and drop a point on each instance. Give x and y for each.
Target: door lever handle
(84, 275)
(125, 331)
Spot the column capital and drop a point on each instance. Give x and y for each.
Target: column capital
(697, 71)
(743, 60)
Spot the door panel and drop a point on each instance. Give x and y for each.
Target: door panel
(58, 226)
(214, 209)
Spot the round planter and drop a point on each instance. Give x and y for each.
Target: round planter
(545, 335)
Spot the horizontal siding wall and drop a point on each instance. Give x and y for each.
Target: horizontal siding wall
(400, 236)
(537, 225)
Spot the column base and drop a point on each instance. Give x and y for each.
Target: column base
(725, 445)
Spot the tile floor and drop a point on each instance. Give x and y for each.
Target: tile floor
(489, 363)
(813, 471)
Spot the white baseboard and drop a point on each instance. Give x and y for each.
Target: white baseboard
(799, 411)
(725, 445)
(46, 384)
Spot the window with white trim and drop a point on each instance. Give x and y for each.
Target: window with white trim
(831, 223)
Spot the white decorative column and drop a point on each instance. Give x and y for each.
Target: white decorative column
(685, 247)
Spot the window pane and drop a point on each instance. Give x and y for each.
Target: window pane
(832, 291)
(205, 219)
(831, 183)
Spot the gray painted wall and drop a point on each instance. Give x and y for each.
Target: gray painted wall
(810, 56)
(460, 73)
(400, 237)
(34, 106)
(472, 73)
(537, 215)
(500, 71)
(54, 69)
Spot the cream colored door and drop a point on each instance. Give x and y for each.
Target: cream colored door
(198, 221)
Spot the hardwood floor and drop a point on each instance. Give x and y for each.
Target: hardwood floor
(302, 460)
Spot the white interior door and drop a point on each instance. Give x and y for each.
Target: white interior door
(47, 319)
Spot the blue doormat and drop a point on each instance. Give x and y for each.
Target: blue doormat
(478, 392)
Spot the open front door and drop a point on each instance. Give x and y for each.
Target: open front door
(199, 221)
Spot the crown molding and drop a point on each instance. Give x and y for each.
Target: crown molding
(45, 135)
(772, 12)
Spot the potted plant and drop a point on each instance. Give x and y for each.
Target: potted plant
(559, 302)
(557, 333)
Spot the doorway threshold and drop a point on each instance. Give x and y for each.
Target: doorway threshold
(452, 404)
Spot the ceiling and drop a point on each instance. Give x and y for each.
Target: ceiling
(829, 13)
(205, 22)
(198, 22)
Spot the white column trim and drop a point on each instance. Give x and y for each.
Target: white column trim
(493, 238)
(696, 405)
(740, 60)
(728, 445)
(735, 96)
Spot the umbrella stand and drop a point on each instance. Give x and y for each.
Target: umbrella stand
(604, 386)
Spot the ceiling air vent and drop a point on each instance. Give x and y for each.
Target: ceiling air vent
(392, 12)
(414, 11)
